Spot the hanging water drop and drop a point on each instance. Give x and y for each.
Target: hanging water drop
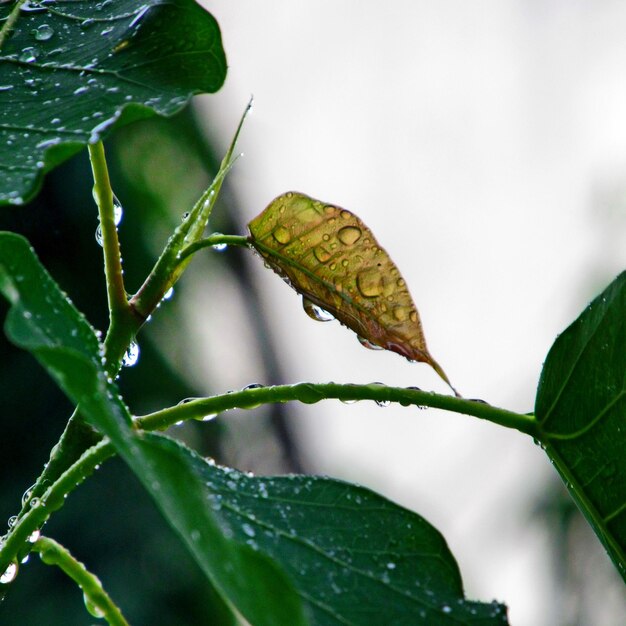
(34, 536)
(315, 312)
(168, 294)
(368, 344)
(9, 574)
(206, 418)
(93, 609)
(11, 521)
(219, 247)
(131, 356)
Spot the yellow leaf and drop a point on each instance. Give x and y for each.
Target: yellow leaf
(330, 257)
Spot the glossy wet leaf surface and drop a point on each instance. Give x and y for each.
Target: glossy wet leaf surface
(581, 405)
(328, 255)
(284, 550)
(70, 71)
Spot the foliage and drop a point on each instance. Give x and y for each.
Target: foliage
(278, 550)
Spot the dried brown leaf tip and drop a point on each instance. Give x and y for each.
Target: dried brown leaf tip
(330, 257)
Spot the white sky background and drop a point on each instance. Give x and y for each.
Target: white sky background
(484, 144)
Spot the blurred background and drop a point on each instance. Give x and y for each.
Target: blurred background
(485, 146)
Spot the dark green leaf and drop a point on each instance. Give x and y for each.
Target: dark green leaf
(71, 71)
(283, 550)
(581, 405)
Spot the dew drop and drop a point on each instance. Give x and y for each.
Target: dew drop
(34, 536)
(219, 247)
(9, 574)
(43, 32)
(117, 210)
(99, 235)
(282, 235)
(206, 418)
(11, 521)
(29, 55)
(93, 609)
(321, 254)
(253, 386)
(26, 495)
(349, 235)
(185, 215)
(446, 609)
(369, 283)
(315, 312)
(368, 344)
(131, 356)
(34, 503)
(168, 294)
(248, 530)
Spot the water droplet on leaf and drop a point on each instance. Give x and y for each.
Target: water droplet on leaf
(349, 235)
(368, 344)
(282, 235)
(315, 312)
(168, 294)
(43, 32)
(29, 55)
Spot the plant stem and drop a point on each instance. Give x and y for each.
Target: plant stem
(307, 393)
(110, 243)
(123, 323)
(98, 602)
(310, 393)
(12, 547)
(169, 267)
(10, 21)
(214, 240)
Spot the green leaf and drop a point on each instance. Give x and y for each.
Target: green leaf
(71, 71)
(283, 550)
(581, 406)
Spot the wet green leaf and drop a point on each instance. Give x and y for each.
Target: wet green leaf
(328, 255)
(581, 405)
(284, 550)
(71, 71)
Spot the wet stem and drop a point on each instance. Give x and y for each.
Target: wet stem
(97, 601)
(10, 21)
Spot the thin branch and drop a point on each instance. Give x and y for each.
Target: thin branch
(10, 22)
(310, 393)
(216, 239)
(15, 545)
(97, 601)
(116, 292)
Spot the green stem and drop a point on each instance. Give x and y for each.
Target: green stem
(169, 267)
(214, 240)
(110, 243)
(98, 602)
(123, 323)
(39, 510)
(310, 393)
(307, 393)
(10, 22)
